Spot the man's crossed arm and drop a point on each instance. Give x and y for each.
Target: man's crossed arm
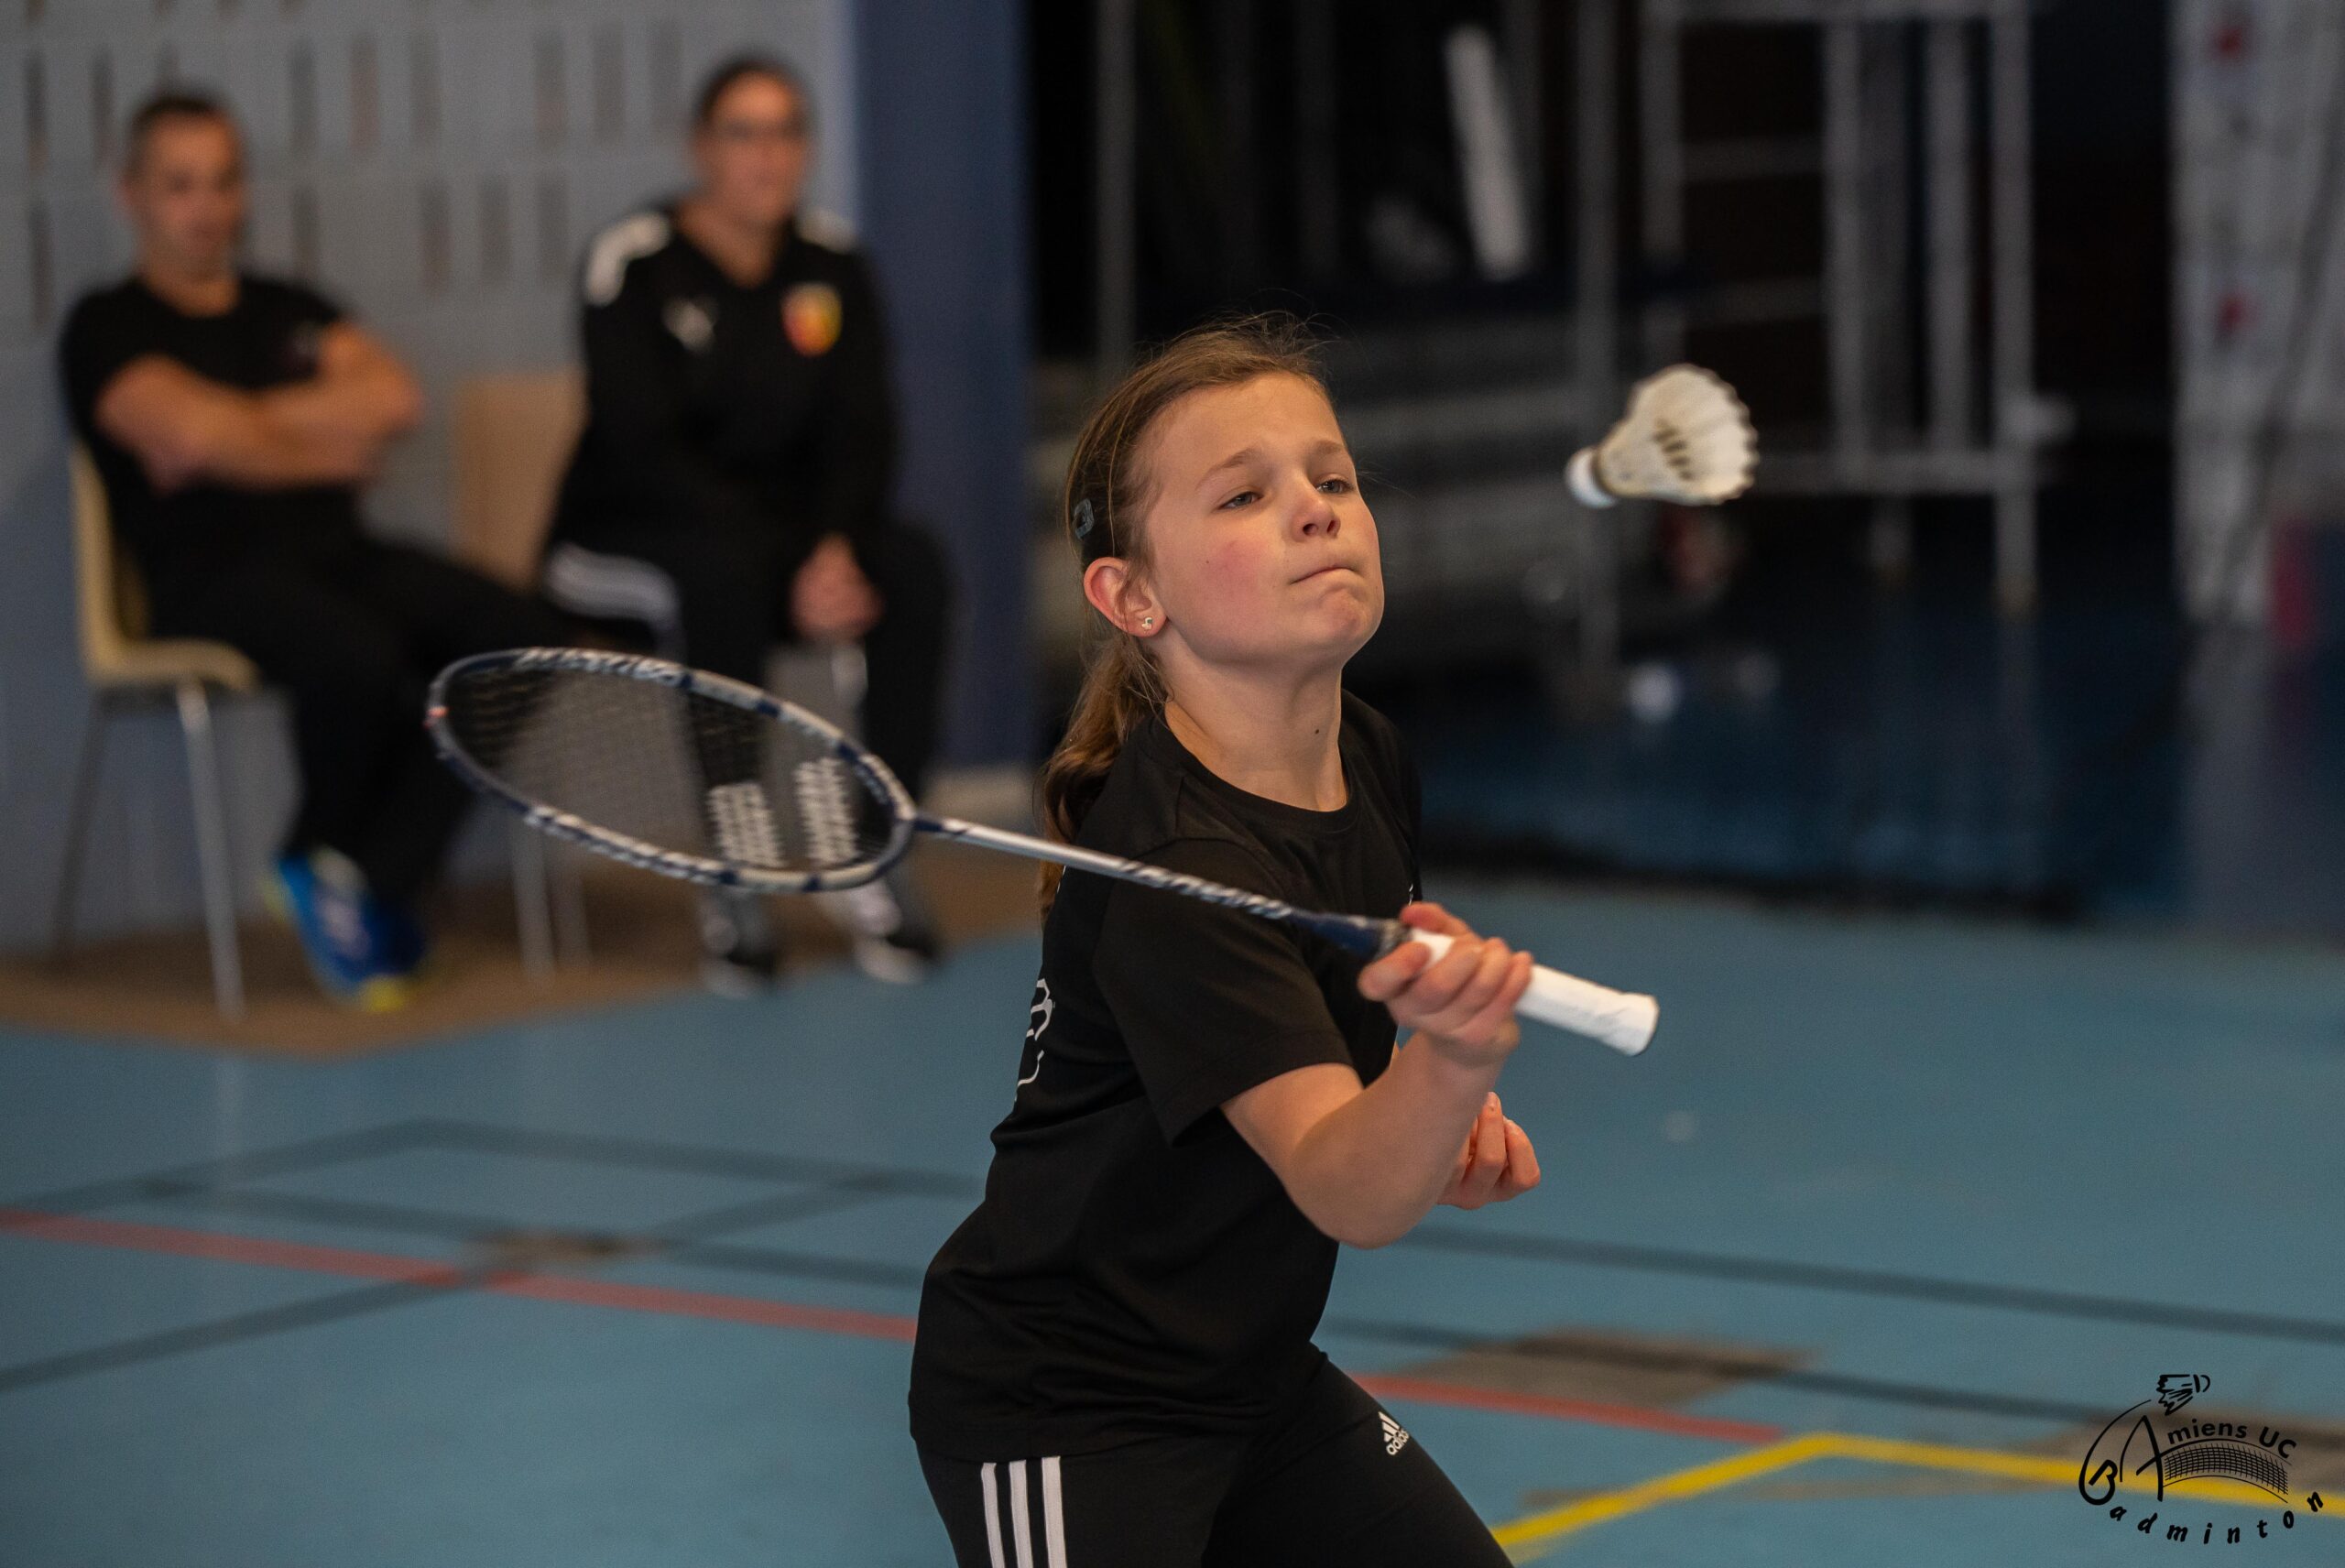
(328, 430)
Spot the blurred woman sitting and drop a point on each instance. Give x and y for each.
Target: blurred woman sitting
(731, 489)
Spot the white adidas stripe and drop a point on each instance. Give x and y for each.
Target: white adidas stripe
(993, 1517)
(1054, 1515)
(1021, 1530)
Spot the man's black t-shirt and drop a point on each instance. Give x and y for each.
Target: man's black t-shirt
(1135, 1268)
(762, 409)
(269, 337)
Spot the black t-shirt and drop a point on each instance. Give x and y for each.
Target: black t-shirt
(1135, 1268)
(710, 405)
(269, 337)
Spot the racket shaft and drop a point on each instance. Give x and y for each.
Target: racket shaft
(1361, 935)
(1622, 1019)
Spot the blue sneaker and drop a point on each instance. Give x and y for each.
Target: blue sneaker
(324, 899)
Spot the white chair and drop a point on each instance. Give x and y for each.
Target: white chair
(127, 668)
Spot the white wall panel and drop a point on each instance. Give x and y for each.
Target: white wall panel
(521, 125)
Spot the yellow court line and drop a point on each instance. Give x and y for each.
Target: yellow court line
(1539, 1530)
(1671, 1489)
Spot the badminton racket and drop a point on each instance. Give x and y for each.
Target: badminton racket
(706, 779)
(1687, 438)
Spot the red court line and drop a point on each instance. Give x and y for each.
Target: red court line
(763, 1312)
(228, 1248)
(702, 1304)
(350, 1263)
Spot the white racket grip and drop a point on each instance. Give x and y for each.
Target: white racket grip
(1622, 1020)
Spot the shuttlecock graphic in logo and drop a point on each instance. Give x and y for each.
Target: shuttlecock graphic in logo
(2175, 1388)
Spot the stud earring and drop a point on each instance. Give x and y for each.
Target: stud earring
(1146, 622)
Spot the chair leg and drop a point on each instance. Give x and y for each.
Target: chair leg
(77, 828)
(532, 902)
(212, 849)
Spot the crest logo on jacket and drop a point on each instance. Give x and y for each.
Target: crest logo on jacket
(810, 317)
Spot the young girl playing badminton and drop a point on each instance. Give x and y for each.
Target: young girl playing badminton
(1114, 1364)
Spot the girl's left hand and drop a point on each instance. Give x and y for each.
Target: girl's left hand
(1497, 1163)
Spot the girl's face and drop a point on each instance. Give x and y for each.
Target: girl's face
(1260, 551)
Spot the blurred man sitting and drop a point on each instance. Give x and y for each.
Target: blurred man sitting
(232, 417)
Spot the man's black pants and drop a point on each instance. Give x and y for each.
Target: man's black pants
(353, 630)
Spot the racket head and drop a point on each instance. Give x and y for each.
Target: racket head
(675, 771)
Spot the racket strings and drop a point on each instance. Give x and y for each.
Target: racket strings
(827, 807)
(675, 771)
(743, 825)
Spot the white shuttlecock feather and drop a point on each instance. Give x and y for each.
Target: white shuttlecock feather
(1687, 438)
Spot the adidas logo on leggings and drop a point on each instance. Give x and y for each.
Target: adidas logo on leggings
(1393, 1436)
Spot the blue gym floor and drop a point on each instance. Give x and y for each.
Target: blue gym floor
(633, 1288)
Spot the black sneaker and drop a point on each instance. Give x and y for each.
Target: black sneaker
(739, 955)
(894, 935)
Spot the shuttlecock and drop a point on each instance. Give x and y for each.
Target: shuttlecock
(1687, 438)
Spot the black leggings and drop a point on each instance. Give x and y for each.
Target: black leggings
(354, 630)
(1332, 1480)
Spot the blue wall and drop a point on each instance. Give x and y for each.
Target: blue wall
(941, 147)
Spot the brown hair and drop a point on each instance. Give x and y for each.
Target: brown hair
(1108, 495)
(741, 68)
(165, 105)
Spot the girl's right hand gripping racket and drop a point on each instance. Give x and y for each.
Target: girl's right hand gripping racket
(706, 779)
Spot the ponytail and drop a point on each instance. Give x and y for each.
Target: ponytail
(1120, 687)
